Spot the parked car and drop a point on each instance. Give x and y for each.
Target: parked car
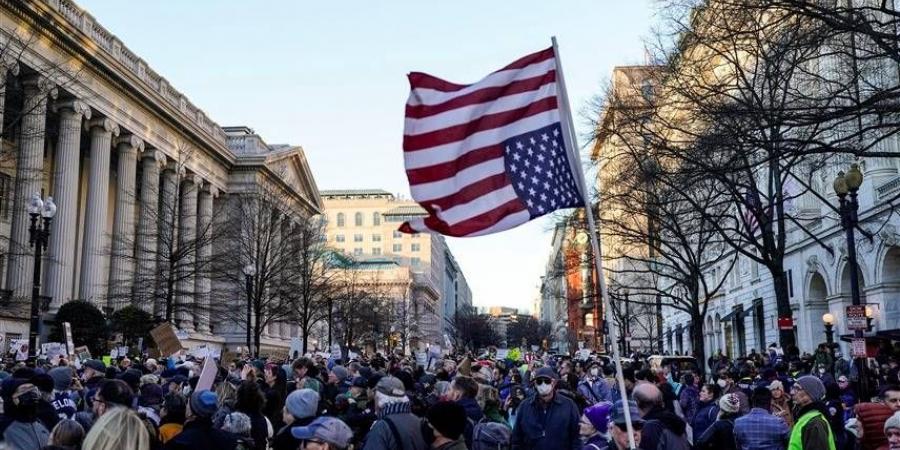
(676, 364)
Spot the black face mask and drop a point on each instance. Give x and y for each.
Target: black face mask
(427, 433)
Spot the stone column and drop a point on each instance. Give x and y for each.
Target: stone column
(29, 180)
(61, 254)
(7, 68)
(167, 222)
(204, 253)
(144, 288)
(121, 264)
(187, 240)
(94, 244)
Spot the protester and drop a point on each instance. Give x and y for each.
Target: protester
(707, 408)
(463, 391)
(662, 428)
(325, 433)
(720, 435)
(112, 394)
(870, 417)
(396, 426)
(760, 429)
(250, 401)
(594, 426)
(618, 429)
(546, 420)
(198, 432)
(21, 429)
(238, 424)
(781, 406)
(120, 429)
(66, 435)
(593, 386)
(299, 410)
(892, 431)
(444, 425)
(811, 429)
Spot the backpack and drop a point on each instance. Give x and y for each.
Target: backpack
(491, 436)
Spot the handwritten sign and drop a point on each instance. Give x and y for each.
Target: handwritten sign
(166, 339)
(70, 344)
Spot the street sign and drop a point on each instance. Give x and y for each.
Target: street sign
(858, 348)
(856, 318)
(785, 323)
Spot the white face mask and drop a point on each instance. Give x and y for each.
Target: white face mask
(594, 372)
(722, 383)
(544, 389)
(821, 370)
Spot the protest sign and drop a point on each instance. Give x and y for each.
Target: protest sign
(52, 349)
(20, 348)
(336, 351)
(82, 353)
(502, 353)
(296, 347)
(421, 359)
(166, 339)
(207, 374)
(70, 344)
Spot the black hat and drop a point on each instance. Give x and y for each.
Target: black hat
(448, 418)
(95, 364)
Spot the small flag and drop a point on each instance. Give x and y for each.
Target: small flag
(489, 156)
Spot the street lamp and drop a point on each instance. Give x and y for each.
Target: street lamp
(828, 318)
(845, 184)
(38, 233)
(249, 272)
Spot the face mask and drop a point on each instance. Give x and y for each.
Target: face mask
(595, 372)
(821, 370)
(722, 383)
(544, 389)
(186, 391)
(427, 434)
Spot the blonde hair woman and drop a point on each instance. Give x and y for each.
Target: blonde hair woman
(67, 434)
(118, 429)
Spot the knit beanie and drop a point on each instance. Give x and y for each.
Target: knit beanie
(204, 403)
(892, 422)
(599, 414)
(448, 418)
(730, 403)
(340, 372)
(302, 403)
(813, 386)
(62, 378)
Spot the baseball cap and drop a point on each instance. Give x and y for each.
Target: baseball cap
(545, 372)
(328, 429)
(618, 415)
(390, 386)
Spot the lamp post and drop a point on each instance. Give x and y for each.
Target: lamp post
(249, 273)
(38, 234)
(845, 184)
(828, 319)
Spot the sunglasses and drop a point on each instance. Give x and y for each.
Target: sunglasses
(540, 381)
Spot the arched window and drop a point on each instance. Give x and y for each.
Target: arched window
(340, 219)
(358, 219)
(376, 218)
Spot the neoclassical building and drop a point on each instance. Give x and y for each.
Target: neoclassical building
(130, 163)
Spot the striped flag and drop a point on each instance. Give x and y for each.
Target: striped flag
(489, 156)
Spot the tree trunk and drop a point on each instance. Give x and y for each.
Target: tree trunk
(782, 298)
(698, 344)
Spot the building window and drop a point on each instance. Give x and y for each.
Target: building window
(358, 219)
(358, 251)
(376, 251)
(5, 194)
(340, 220)
(397, 234)
(376, 238)
(415, 247)
(416, 235)
(376, 218)
(398, 248)
(339, 238)
(357, 238)
(415, 262)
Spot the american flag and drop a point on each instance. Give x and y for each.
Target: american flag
(489, 156)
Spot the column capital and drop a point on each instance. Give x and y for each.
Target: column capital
(106, 124)
(74, 105)
(149, 152)
(9, 64)
(191, 177)
(41, 84)
(174, 166)
(210, 189)
(131, 141)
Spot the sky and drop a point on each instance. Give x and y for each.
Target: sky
(331, 77)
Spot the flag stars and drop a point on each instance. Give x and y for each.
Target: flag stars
(545, 137)
(519, 145)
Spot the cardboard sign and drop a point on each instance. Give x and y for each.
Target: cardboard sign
(207, 374)
(858, 346)
(70, 344)
(336, 351)
(200, 352)
(502, 352)
(583, 354)
(166, 339)
(421, 359)
(856, 317)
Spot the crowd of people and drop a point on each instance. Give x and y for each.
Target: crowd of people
(762, 401)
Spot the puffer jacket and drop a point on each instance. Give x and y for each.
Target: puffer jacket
(872, 417)
(705, 416)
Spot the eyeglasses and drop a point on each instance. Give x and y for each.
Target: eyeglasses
(540, 381)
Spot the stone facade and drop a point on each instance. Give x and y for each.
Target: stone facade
(91, 124)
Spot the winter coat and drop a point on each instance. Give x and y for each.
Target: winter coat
(872, 417)
(25, 435)
(719, 436)
(596, 442)
(541, 426)
(656, 422)
(408, 426)
(284, 440)
(199, 434)
(689, 400)
(705, 416)
(474, 414)
(781, 408)
(594, 391)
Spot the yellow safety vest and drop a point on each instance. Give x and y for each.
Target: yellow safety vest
(796, 442)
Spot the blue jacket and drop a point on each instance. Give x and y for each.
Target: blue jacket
(594, 391)
(707, 412)
(474, 414)
(542, 426)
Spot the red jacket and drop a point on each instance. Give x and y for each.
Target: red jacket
(872, 417)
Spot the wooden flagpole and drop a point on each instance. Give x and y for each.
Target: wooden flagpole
(594, 231)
